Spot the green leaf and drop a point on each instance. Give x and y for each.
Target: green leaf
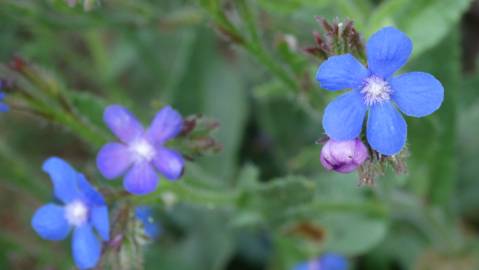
(426, 22)
(206, 241)
(212, 86)
(433, 138)
(274, 198)
(352, 234)
(383, 15)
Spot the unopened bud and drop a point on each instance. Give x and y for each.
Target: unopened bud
(343, 156)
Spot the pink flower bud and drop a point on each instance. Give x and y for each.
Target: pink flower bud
(343, 156)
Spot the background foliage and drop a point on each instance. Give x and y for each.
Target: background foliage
(264, 202)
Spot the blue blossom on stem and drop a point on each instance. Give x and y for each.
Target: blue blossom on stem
(81, 209)
(416, 94)
(328, 261)
(3, 106)
(145, 215)
(141, 151)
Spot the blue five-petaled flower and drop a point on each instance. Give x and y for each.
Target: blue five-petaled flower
(416, 94)
(141, 150)
(80, 208)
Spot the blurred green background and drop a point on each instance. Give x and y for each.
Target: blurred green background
(264, 202)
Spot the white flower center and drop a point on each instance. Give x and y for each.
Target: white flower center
(76, 213)
(375, 90)
(143, 150)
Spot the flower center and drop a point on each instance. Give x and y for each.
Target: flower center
(76, 213)
(143, 149)
(375, 90)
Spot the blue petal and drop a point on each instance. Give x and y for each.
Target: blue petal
(331, 261)
(145, 215)
(122, 123)
(63, 177)
(50, 223)
(417, 93)
(152, 229)
(341, 72)
(88, 192)
(101, 222)
(85, 247)
(141, 179)
(113, 160)
(143, 212)
(169, 163)
(387, 51)
(386, 129)
(4, 107)
(343, 117)
(166, 125)
(306, 266)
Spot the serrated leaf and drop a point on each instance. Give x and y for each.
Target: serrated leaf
(274, 198)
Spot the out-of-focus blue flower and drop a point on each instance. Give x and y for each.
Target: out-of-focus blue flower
(141, 151)
(416, 94)
(328, 261)
(145, 215)
(81, 209)
(3, 106)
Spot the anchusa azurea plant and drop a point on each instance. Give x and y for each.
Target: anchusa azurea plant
(375, 92)
(80, 209)
(141, 153)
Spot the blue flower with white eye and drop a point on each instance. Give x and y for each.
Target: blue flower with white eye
(141, 151)
(81, 209)
(328, 261)
(145, 215)
(374, 90)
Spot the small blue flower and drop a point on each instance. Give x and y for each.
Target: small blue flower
(141, 150)
(416, 94)
(3, 106)
(145, 215)
(328, 261)
(81, 209)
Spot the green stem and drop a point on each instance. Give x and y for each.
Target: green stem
(250, 21)
(184, 192)
(368, 208)
(253, 46)
(70, 121)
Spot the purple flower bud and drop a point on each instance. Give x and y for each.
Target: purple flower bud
(343, 156)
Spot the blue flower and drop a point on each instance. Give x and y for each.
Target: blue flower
(416, 94)
(3, 106)
(81, 209)
(328, 261)
(141, 150)
(145, 215)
